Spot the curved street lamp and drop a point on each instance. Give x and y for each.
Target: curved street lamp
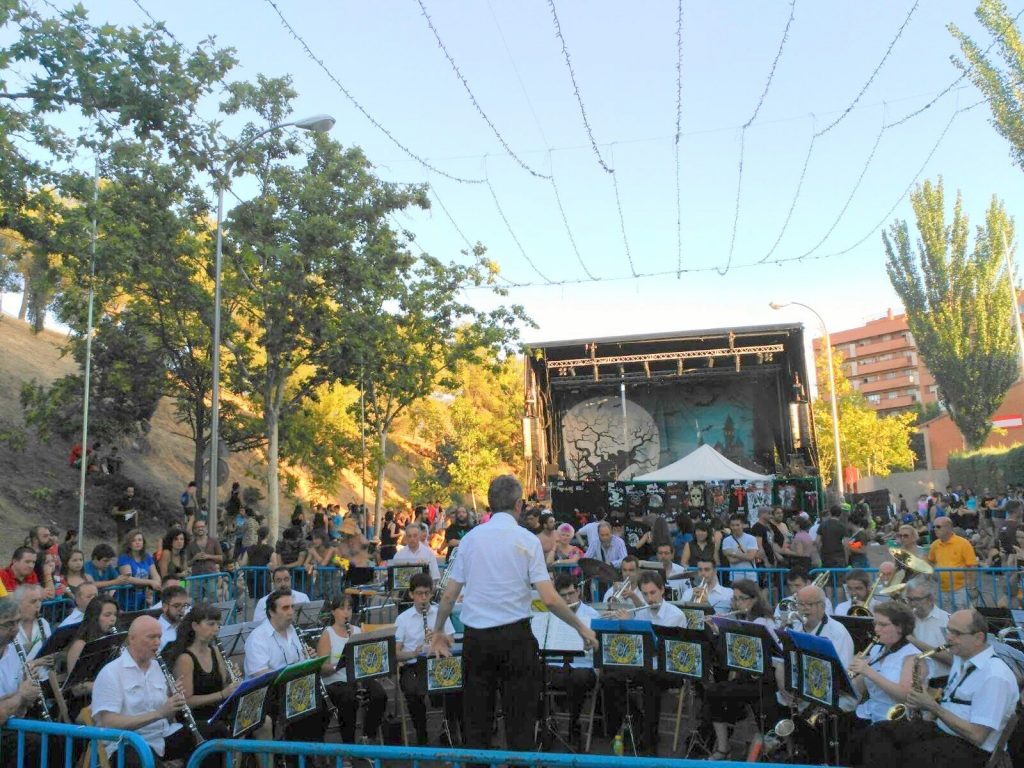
(838, 480)
(317, 123)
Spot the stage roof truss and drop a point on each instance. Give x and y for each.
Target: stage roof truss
(764, 350)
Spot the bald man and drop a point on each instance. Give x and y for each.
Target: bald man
(131, 694)
(952, 551)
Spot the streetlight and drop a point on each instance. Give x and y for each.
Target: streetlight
(831, 391)
(317, 123)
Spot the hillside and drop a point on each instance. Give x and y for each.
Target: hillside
(38, 486)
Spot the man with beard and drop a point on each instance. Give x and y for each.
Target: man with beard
(457, 528)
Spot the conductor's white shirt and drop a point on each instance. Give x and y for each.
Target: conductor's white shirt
(497, 563)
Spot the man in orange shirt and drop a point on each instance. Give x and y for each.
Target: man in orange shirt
(952, 551)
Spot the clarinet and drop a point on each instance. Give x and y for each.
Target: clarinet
(323, 688)
(426, 629)
(186, 712)
(234, 675)
(31, 675)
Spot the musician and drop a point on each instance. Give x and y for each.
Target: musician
(281, 579)
(33, 630)
(497, 563)
(797, 579)
(100, 619)
(727, 700)
(411, 643)
(415, 552)
(930, 622)
(975, 707)
(884, 677)
(654, 683)
(275, 644)
(810, 602)
(84, 594)
(344, 694)
(201, 669)
(174, 604)
(665, 554)
(131, 694)
(627, 592)
(578, 678)
(740, 549)
(715, 595)
(858, 586)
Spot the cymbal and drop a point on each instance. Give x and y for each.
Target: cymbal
(912, 562)
(598, 569)
(892, 590)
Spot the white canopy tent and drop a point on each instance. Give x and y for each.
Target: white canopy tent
(702, 465)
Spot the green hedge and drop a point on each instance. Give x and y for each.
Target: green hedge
(992, 468)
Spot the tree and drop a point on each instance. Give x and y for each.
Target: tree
(1000, 84)
(874, 444)
(958, 305)
(416, 342)
(313, 248)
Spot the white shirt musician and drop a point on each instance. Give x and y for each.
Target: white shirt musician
(281, 578)
(409, 637)
(976, 705)
(931, 621)
(33, 630)
(274, 643)
(717, 596)
(886, 674)
(415, 552)
(130, 693)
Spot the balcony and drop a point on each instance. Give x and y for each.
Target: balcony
(882, 366)
(896, 403)
(884, 385)
(879, 347)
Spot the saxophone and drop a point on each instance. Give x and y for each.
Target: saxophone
(902, 711)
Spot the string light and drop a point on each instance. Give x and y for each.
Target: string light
(743, 136)
(576, 88)
(345, 92)
(511, 232)
(565, 221)
(622, 218)
(476, 104)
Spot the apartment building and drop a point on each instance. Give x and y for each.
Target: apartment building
(881, 361)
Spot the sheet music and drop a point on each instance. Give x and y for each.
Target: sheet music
(562, 637)
(539, 625)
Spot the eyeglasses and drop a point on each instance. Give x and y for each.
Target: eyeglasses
(920, 599)
(958, 633)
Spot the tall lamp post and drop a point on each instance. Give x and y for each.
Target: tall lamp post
(317, 123)
(831, 391)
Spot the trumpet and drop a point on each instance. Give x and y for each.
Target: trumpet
(186, 711)
(30, 674)
(613, 611)
(700, 592)
(863, 654)
(620, 590)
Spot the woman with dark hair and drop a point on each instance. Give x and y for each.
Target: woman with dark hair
(728, 700)
(257, 556)
(100, 619)
(702, 548)
(173, 560)
(200, 668)
(388, 536)
(802, 546)
(885, 675)
(139, 569)
(74, 569)
(342, 692)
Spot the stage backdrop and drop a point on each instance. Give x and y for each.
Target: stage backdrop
(660, 425)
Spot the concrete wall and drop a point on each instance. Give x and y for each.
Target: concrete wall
(910, 484)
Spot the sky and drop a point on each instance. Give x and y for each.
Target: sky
(846, 69)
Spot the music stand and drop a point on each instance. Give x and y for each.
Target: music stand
(861, 629)
(299, 683)
(399, 575)
(246, 707)
(95, 654)
(357, 575)
(555, 640)
(370, 655)
(59, 640)
(308, 614)
(624, 645)
(696, 614)
(232, 638)
(747, 647)
(124, 620)
(686, 653)
(996, 618)
(823, 678)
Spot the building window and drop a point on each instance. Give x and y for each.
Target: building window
(874, 399)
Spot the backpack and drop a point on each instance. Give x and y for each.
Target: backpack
(184, 498)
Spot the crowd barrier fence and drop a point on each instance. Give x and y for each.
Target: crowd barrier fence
(35, 740)
(985, 587)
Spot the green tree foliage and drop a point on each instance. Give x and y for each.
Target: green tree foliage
(874, 444)
(999, 81)
(958, 305)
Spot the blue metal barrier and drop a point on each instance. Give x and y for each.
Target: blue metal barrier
(71, 739)
(985, 587)
(56, 610)
(378, 756)
(772, 580)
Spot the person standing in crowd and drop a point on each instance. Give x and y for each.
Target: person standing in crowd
(497, 564)
(856, 543)
(190, 505)
(456, 531)
(138, 569)
(389, 534)
(173, 554)
(607, 547)
(741, 550)
(204, 557)
(547, 536)
(702, 547)
(74, 569)
(588, 533)
(950, 550)
(125, 514)
(101, 568)
(966, 723)
(769, 540)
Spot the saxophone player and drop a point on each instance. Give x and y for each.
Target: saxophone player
(131, 694)
(977, 703)
(413, 630)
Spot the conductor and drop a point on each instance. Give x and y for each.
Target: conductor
(497, 563)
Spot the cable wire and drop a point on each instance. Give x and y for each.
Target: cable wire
(565, 221)
(373, 121)
(679, 123)
(576, 88)
(743, 135)
(622, 218)
(476, 104)
(511, 232)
